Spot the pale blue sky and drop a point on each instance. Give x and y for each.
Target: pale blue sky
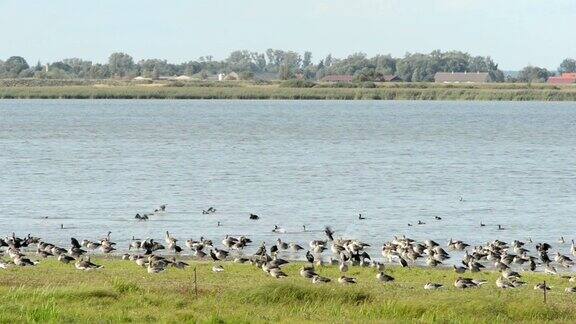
(514, 32)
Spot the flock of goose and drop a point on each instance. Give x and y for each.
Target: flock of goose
(510, 259)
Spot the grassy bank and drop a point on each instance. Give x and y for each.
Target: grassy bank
(197, 90)
(122, 292)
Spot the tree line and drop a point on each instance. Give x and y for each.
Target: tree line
(280, 64)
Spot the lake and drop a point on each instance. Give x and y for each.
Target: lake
(92, 165)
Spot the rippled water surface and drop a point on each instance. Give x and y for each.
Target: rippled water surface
(91, 165)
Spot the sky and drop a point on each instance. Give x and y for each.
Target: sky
(515, 33)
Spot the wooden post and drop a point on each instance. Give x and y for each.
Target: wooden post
(195, 282)
(545, 288)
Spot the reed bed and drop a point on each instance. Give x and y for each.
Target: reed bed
(493, 92)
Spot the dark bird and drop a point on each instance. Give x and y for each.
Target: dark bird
(361, 217)
(544, 257)
(329, 233)
(403, 262)
(273, 249)
(213, 256)
(532, 265)
(500, 228)
(421, 223)
(437, 218)
(409, 224)
(254, 217)
(543, 247)
(75, 243)
(482, 224)
(309, 257)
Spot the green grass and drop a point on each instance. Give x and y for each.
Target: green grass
(124, 292)
(243, 90)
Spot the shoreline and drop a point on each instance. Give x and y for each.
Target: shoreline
(243, 91)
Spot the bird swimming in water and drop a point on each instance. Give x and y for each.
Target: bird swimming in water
(278, 229)
(254, 217)
(209, 211)
(360, 217)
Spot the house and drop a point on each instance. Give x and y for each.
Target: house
(565, 78)
(338, 78)
(462, 77)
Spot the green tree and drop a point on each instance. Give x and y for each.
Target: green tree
(567, 66)
(531, 74)
(14, 66)
(120, 64)
(307, 61)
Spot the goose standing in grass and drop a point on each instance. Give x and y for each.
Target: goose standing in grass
(308, 272)
(464, 283)
(542, 286)
(503, 283)
(320, 280)
(82, 264)
(22, 261)
(343, 266)
(432, 286)
(382, 277)
(65, 259)
(459, 269)
(570, 290)
(154, 268)
(277, 273)
(179, 264)
(346, 280)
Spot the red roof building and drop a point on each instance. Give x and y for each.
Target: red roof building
(565, 78)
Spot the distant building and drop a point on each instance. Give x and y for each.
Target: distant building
(338, 78)
(565, 78)
(462, 77)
